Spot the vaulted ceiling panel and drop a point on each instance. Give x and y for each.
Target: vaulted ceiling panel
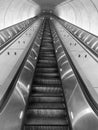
(48, 4)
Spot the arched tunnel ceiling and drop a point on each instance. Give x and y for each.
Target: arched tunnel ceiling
(83, 13)
(49, 4)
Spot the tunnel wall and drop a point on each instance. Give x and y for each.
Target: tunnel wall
(83, 13)
(14, 11)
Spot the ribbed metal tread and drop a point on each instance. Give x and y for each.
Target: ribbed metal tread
(53, 81)
(47, 48)
(47, 62)
(47, 70)
(43, 48)
(46, 99)
(46, 94)
(46, 89)
(43, 127)
(46, 113)
(47, 34)
(49, 45)
(52, 75)
(47, 57)
(46, 106)
(46, 53)
(47, 42)
(48, 65)
(46, 121)
(47, 39)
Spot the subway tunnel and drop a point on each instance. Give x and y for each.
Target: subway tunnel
(48, 65)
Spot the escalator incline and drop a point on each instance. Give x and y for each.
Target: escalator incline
(46, 108)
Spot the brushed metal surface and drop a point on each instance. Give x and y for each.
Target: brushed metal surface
(81, 114)
(12, 115)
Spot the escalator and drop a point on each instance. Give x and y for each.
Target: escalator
(46, 109)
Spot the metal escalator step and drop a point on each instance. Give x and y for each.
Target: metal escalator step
(46, 70)
(47, 75)
(46, 113)
(43, 127)
(46, 99)
(47, 37)
(46, 106)
(47, 94)
(47, 34)
(47, 61)
(47, 52)
(46, 89)
(46, 121)
(49, 45)
(47, 40)
(46, 48)
(47, 57)
(48, 65)
(44, 54)
(47, 86)
(54, 81)
(44, 62)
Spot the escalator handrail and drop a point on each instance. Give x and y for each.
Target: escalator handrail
(74, 36)
(9, 40)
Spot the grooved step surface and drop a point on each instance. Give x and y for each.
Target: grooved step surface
(46, 113)
(46, 69)
(46, 99)
(47, 81)
(46, 121)
(47, 75)
(46, 89)
(46, 108)
(46, 127)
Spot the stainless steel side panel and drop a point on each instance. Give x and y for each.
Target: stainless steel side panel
(12, 115)
(81, 114)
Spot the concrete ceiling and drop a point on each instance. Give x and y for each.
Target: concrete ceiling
(48, 4)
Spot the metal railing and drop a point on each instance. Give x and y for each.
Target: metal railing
(10, 33)
(89, 40)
